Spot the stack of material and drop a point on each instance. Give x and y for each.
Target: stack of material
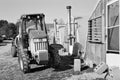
(102, 67)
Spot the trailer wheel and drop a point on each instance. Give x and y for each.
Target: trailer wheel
(13, 51)
(54, 52)
(23, 60)
(77, 49)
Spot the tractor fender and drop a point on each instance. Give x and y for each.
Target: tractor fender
(77, 50)
(16, 40)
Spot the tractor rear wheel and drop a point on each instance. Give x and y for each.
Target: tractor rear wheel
(13, 51)
(23, 60)
(54, 52)
(57, 59)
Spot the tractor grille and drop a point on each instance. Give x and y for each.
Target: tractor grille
(40, 46)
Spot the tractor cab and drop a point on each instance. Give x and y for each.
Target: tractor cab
(34, 33)
(33, 22)
(34, 30)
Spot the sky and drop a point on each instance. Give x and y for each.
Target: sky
(11, 10)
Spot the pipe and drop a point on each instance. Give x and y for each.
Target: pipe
(69, 23)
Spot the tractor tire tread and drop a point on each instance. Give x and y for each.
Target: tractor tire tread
(25, 60)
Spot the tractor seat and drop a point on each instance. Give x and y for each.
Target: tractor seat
(32, 27)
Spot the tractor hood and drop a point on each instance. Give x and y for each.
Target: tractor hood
(37, 34)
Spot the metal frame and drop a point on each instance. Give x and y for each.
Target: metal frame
(109, 3)
(103, 24)
(119, 24)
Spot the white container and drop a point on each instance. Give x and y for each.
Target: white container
(77, 65)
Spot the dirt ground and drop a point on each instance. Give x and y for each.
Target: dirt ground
(9, 68)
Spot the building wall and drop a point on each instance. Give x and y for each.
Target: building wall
(97, 51)
(96, 46)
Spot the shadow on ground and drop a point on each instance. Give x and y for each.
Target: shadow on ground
(37, 69)
(63, 68)
(66, 63)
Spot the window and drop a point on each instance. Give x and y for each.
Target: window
(95, 24)
(113, 27)
(95, 30)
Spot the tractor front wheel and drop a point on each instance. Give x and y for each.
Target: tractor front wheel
(23, 60)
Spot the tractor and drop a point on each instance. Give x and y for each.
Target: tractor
(33, 44)
(67, 35)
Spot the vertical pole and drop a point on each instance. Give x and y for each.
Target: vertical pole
(70, 47)
(69, 22)
(55, 27)
(74, 31)
(55, 30)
